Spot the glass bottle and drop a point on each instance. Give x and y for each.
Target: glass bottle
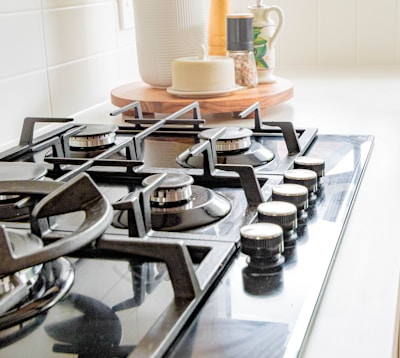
(240, 47)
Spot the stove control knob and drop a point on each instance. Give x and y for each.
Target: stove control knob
(281, 213)
(305, 177)
(293, 193)
(315, 164)
(263, 242)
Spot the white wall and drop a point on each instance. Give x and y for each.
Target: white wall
(353, 33)
(62, 57)
(59, 57)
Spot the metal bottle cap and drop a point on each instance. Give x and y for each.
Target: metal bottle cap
(239, 29)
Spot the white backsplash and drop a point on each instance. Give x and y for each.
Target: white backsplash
(62, 57)
(59, 58)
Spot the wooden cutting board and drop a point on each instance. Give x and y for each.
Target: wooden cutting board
(155, 100)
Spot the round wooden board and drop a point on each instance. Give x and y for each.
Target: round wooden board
(155, 100)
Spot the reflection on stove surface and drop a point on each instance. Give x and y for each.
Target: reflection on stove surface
(53, 282)
(96, 331)
(236, 338)
(17, 333)
(218, 330)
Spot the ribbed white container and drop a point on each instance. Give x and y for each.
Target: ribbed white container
(166, 30)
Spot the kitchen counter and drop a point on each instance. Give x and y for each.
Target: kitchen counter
(357, 314)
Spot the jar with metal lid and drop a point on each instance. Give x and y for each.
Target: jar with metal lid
(240, 47)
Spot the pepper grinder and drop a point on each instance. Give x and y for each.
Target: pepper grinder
(240, 47)
(265, 34)
(217, 27)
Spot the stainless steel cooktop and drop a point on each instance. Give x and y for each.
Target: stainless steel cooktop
(168, 271)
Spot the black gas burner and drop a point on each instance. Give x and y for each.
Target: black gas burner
(28, 287)
(93, 137)
(10, 171)
(20, 171)
(177, 205)
(175, 190)
(269, 147)
(234, 146)
(234, 139)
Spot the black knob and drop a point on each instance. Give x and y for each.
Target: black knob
(305, 177)
(293, 193)
(263, 242)
(315, 164)
(281, 213)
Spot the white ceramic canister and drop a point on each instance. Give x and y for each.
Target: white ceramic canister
(265, 35)
(166, 30)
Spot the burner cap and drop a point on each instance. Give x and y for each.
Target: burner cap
(94, 136)
(19, 171)
(234, 138)
(96, 129)
(178, 205)
(175, 189)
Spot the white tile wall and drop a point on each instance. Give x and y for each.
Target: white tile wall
(61, 57)
(78, 32)
(341, 33)
(22, 45)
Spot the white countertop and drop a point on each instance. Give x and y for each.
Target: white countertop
(358, 311)
(357, 315)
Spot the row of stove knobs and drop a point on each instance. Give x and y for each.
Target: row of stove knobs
(280, 222)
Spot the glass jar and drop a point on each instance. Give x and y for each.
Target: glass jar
(240, 47)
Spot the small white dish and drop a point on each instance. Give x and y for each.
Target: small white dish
(202, 94)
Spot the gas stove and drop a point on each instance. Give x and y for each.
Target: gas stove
(167, 237)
